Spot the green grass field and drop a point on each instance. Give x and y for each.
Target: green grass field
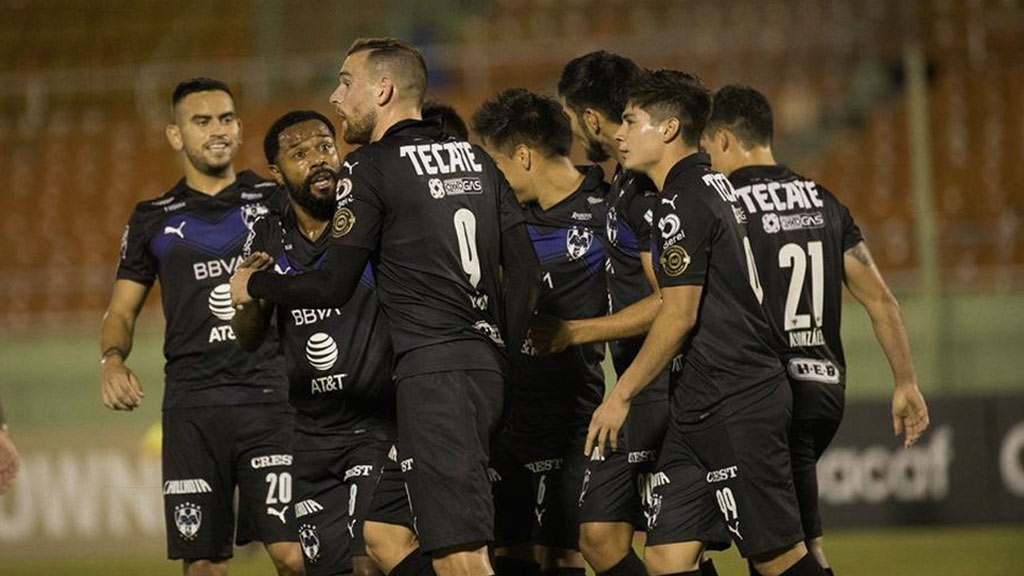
(904, 552)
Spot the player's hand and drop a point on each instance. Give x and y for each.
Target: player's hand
(257, 261)
(549, 334)
(909, 413)
(605, 425)
(121, 389)
(9, 461)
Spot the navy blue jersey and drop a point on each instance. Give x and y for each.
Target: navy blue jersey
(568, 239)
(632, 199)
(799, 232)
(192, 242)
(431, 211)
(339, 360)
(700, 239)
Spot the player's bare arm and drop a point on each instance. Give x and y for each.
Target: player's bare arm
(909, 410)
(120, 388)
(675, 318)
(550, 335)
(251, 321)
(9, 461)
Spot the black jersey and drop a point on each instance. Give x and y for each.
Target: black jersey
(700, 239)
(339, 360)
(568, 239)
(431, 210)
(633, 197)
(192, 242)
(798, 232)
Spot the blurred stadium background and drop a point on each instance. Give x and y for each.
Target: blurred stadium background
(912, 112)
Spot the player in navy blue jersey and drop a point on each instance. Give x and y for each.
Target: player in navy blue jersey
(339, 365)
(439, 224)
(226, 420)
(725, 455)
(806, 246)
(552, 397)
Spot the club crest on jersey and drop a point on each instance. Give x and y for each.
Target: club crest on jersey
(770, 221)
(344, 220)
(188, 517)
(612, 225)
(674, 260)
(489, 330)
(652, 510)
(253, 212)
(577, 242)
(310, 541)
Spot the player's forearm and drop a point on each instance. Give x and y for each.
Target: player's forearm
(663, 343)
(250, 325)
(630, 322)
(522, 283)
(329, 287)
(116, 334)
(891, 334)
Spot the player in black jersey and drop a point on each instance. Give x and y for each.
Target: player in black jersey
(437, 220)
(725, 453)
(551, 398)
(806, 245)
(226, 420)
(452, 124)
(339, 367)
(593, 88)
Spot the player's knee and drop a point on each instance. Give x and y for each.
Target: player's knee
(287, 558)
(206, 568)
(387, 545)
(672, 558)
(598, 541)
(365, 566)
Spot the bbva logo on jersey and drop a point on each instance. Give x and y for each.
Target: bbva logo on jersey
(578, 242)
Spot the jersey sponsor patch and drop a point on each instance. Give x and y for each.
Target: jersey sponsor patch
(813, 370)
(344, 220)
(675, 260)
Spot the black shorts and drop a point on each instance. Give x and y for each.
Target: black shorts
(746, 465)
(334, 492)
(207, 452)
(536, 481)
(807, 441)
(617, 488)
(445, 422)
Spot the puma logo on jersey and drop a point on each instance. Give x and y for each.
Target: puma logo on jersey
(671, 202)
(280, 514)
(177, 231)
(351, 166)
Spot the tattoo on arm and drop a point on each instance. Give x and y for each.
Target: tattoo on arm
(861, 253)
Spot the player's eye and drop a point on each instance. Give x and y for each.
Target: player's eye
(299, 155)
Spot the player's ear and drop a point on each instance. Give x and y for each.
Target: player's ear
(592, 120)
(239, 122)
(173, 134)
(276, 173)
(385, 91)
(669, 129)
(524, 156)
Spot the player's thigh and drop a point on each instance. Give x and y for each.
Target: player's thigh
(199, 485)
(445, 421)
(678, 507)
(321, 506)
(807, 440)
(266, 486)
(749, 471)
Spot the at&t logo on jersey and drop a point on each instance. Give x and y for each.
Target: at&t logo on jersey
(321, 351)
(220, 302)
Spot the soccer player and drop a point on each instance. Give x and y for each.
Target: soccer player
(726, 452)
(437, 220)
(593, 88)
(226, 419)
(339, 365)
(9, 460)
(806, 245)
(552, 397)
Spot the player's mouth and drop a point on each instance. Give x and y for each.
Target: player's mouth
(218, 147)
(323, 181)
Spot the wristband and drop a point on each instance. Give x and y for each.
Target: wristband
(113, 350)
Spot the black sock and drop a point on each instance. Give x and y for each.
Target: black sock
(506, 566)
(829, 572)
(806, 566)
(415, 564)
(707, 568)
(630, 565)
(753, 571)
(571, 572)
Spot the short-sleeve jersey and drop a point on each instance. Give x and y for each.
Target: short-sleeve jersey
(799, 232)
(431, 210)
(632, 198)
(566, 387)
(339, 360)
(192, 242)
(700, 239)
